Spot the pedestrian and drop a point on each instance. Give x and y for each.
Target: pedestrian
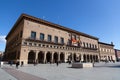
(34, 63)
(69, 62)
(93, 63)
(22, 64)
(11, 63)
(50, 61)
(17, 64)
(113, 61)
(57, 63)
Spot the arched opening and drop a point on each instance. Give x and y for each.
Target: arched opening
(91, 60)
(109, 58)
(48, 57)
(88, 59)
(62, 57)
(94, 58)
(55, 57)
(31, 57)
(84, 57)
(70, 57)
(79, 57)
(18, 55)
(40, 57)
(74, 57)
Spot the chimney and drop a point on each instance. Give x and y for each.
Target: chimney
(111, 43)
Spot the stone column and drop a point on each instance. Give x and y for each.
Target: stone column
(89, 58)
(45, 57)
(72, 57)
(58, 56)
(99, 58)
(52, 54)
(65, 54)
(92, 58)
(36, 55)
(82, 58)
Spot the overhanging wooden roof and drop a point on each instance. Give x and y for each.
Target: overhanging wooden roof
(38, 20)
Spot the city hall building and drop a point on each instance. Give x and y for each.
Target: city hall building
(32, 39)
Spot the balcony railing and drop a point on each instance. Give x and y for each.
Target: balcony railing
(44, 41)
(51, 42)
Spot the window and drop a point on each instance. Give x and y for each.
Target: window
(33, 35)
(62, 40)
(87, 45)
(41, 36)
(83, 44)
(56, 39)
(49, 38)
(69, 42)
(95, 47)
(90, 46)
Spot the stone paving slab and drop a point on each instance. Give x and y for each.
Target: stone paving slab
(5, 76)
(19, 75)
(101, 71)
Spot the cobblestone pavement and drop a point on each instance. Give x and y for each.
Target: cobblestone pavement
(101, 71)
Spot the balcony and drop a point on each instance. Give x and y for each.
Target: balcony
(42, 41)
(89, 48)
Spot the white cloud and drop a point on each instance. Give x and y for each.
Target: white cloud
(2, 39)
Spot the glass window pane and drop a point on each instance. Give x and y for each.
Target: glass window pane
(56, 39)
(49, 38)
(62, 40)
(33, 35)
(41, 36)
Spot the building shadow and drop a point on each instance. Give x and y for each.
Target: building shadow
(109, 66)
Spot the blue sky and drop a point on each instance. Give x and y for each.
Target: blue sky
(99, 18)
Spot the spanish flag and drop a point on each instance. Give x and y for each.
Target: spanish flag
(73, 40)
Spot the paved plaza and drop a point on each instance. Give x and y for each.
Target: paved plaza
(101, 71)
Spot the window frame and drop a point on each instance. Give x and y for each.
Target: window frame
(62, 40)
(42, 36)
(55, 39)
(32, 32)
(49, 39)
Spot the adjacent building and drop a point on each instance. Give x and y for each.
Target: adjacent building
(107, 52)
(32, 39)
(1, 54)
(117, 54)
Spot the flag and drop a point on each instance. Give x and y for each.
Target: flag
(74, 42)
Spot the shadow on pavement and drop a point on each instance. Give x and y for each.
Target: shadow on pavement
(110, 66)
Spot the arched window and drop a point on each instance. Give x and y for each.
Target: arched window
(83, 44)
(87, 45)
(90, 45)
(93, 46)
